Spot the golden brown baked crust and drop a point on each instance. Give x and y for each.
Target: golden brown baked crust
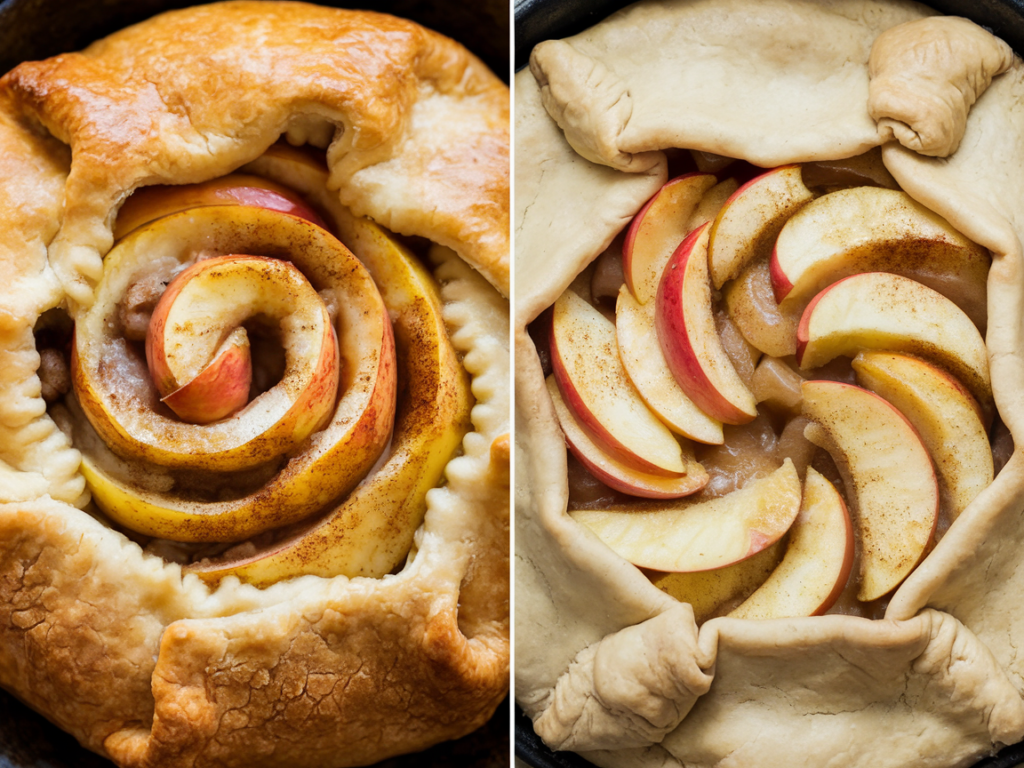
(138, 661)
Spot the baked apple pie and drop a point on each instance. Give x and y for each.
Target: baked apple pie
(254, 389)
(768, 360)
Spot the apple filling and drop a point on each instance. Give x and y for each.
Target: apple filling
(251, 396)
(775, 389)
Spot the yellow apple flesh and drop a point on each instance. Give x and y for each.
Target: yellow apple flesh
(658, 229)
(869, 229)
(645, 364)
(689, 338)
(888, 476)
(371, 531)
(219, 389)
(944, 414)
(879, 310)
(749, 301)
(746, 227)
(613, 473)
(150, 203)
(817, 561)
(699, 535)
(595, 386)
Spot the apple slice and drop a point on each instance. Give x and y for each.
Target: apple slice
(750, 303)
(586, 363)
(888, 474)
(219, 389)
(615, 474)
(704, 534)
(879, 310)
(371, 532)
(748, 223)
(123, 405)
(646, 366)
(711, 593)
(658, 229)
(944, 414)
(150, 203)
(777, 386)
(817, 563)
(869, 229)
(685, 322)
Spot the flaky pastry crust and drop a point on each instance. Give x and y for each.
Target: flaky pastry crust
(607, 664)
(145, 664)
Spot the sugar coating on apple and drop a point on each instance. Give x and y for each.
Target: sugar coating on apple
(751, 218)
(750, 303)
(817, 562)
(689, 337)
(888, 476)
(698, 535)
(658, 229)
(943, 412)
(150, 203)
(879, 310)
(589, 371)
(613, 473)
(713, 593)
(205, 306)
(636, 332)
(868, 229)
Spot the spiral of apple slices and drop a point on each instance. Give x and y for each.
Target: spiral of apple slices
(323, 437)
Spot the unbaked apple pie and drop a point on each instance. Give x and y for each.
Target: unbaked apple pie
(254, 388)
(768, 362)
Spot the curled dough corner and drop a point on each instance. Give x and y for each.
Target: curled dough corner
(589, 102)
(925, 77)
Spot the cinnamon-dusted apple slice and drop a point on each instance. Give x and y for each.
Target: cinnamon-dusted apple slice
(879, 310)
(202, 378)
(712, 593)
(712, 203)
(685, 322)
(371, 531)
(750, 220)
(123, 404)
(593, 381)
(944, 414)
(646, 366)
(888, 476)
(150, 203)
(658, 229)
(817, 562)
(750, 303)
(614, 473)
(700, 535)
(869, 229)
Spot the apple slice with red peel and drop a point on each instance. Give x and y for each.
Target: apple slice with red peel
(219, 389)
(150, 203)
(817, 562)
(586, 363)
(685, 322)
(646, 366)
(751, 218)
(879, 310)
(869, 229)
(749, 301)
(712, 593)
(888, 476)
(614, 473)
(944, 414)
(658, 229)
(705, 534)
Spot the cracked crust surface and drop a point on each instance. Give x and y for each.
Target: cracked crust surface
(139, 662)
(939, 680)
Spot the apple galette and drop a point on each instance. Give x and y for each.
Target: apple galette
(254, 396)
(768, 373)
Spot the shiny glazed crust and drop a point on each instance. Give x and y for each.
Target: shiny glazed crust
(139, 662)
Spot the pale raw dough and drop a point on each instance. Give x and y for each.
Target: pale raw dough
(139, 662)
(939, 681)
